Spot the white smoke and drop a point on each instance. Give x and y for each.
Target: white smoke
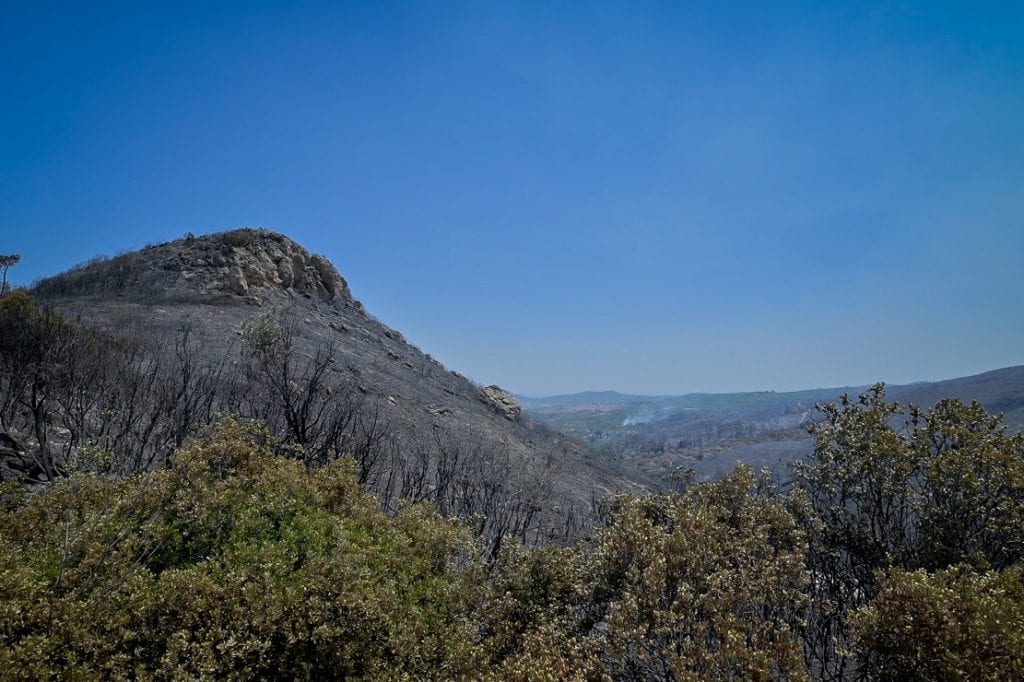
(644, 415)
(649, 414)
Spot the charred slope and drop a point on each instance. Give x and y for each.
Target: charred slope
(218, 286)
(1001, 391)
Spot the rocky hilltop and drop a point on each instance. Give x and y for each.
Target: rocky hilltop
(243, 265)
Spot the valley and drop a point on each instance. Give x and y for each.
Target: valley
(656, 436)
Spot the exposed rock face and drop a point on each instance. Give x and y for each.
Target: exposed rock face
(247, 263)
(502, 401)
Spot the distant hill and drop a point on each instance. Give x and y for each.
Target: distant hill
(710, 432)
(1001, 391)
(602, 401)
(587, 399)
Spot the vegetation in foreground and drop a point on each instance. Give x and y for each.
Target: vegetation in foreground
(897, 556)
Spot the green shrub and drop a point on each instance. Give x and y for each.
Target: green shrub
(233, 563)
(955, 624)
(705, 585)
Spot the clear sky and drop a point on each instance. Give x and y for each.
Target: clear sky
(559, 196)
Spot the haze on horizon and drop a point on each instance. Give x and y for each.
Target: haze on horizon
(649, 198)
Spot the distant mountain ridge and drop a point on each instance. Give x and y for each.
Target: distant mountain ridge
(582, 399)
(694, 400)
(1000, 390)
(710, 432)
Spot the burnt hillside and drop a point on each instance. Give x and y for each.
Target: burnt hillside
(424, 431)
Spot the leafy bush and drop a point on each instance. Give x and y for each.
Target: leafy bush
(705, 585)
(233, 563)
(889, 487)
(954, 624)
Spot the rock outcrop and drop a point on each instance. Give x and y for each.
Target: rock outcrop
(502, 402)
(247, 264)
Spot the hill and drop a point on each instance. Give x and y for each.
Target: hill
(587, 400)
(655, 435)
(423, 430)
(1001, 391)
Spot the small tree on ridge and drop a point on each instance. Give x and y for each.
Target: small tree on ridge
(5, 263)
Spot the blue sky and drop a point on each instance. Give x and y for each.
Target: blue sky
(651, 197)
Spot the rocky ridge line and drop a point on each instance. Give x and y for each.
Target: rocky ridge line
(249, 263)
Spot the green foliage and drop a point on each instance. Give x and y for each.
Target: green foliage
(19, 305)
(706, 585)
(889, 488)
(971, 504)
(955, 624)
(530, 616)
(266, 336)
(23, 319)
(233, 563)
(944, 488)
